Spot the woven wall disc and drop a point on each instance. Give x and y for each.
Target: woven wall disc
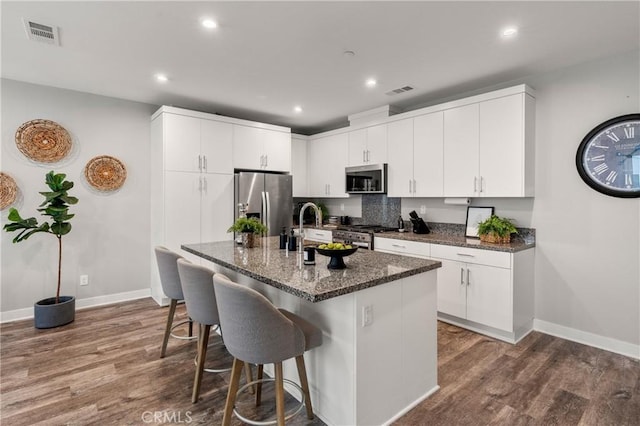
(44, 141)
(105, 173)
(8, 190)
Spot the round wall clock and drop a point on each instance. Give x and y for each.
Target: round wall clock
(608, 158)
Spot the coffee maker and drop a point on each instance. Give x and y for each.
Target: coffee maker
(419, 225)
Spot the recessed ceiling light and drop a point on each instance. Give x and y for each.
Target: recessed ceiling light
(371, 82)
(509, 32)
(162, 78)
(297, 109)
(209, 23)
(348, 53)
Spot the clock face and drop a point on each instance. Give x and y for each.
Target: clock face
(608, 159)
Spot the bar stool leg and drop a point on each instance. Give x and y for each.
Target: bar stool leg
(279, 394)
(203, 342)
(249, 376)
(167, 331)
(236, 372)
(304, 384)
(259, 385)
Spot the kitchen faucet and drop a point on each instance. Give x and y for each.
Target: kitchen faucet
(318, 223)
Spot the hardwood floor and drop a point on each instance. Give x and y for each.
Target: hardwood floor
(105, 369)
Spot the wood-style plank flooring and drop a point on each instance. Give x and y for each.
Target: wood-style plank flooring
(105, 369)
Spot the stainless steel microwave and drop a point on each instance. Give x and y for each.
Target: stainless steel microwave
(367, 179)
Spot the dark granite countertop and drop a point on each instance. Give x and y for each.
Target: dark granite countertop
(283, 270)
(517, 243)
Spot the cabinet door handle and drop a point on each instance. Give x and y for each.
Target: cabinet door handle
(204, 162)
(468, 277)
(414, 186)
(199, 162)
(199, 183)
(461, 276)
(465, 255)
(266, 160)
(475, 184)
(481, 183)
(363, 157)
(399, 246)
(368, 156)
(410, 186)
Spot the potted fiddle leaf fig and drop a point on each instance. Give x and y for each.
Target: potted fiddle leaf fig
(248, 227)
(496, 229)
(58, 310)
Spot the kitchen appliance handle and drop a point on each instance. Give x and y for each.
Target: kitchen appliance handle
(263, 207)
(268, 210)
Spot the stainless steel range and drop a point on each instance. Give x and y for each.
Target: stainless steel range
(359, 235)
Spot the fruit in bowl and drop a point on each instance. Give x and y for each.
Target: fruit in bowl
(336, 251)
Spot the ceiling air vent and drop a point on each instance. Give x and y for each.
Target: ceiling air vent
(399, 90)
(41, 32)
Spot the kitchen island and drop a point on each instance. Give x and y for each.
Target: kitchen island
(378, 316)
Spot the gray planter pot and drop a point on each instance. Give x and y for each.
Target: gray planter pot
(48, 314)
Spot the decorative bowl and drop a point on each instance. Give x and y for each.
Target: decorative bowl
(336, 261)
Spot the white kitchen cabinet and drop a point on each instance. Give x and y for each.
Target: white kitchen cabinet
(261, 148)
(326, 161)
(319, 235)
(368, 145)
(507, 146)
(461, 151)
(299, 165)
(415, 162)
(191, 183)
(487, 291)
(196, 145)
(403, 247)
(488, 148)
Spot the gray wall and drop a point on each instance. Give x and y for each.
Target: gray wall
(110, 236)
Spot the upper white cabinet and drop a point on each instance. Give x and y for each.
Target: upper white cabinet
(196, 145)
(261, 148)
(507, 146)
(415, 161)
(488, 148)
(326, 160)
(368, 145)
(299, 165)
(461, 151)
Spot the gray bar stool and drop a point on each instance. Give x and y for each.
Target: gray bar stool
(172, 288)
(200, 298)
(257, 332)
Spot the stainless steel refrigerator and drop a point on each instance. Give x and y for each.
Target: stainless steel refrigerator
(267, 196)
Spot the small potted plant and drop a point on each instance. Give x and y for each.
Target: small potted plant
(496, 229)
(248, 227)
(59, 310)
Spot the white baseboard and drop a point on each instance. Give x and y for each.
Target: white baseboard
(90, 302)
(586, 338)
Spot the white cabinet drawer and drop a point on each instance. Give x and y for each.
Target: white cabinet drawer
(322, 235)
(408, 248)
(470, 255)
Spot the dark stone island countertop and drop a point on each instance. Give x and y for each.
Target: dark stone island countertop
(283, 270)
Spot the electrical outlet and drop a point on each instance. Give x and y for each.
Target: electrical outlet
(423, 209)
(367, 315)
(84, 279)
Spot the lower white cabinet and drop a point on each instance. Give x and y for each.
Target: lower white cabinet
(486, 291)
(319, 235)
(406, 248)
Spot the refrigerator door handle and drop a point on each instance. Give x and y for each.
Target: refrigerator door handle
(267, 219)
(263, 208)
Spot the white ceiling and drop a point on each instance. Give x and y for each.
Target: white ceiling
(266, 57)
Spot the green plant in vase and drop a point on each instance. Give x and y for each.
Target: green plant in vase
(56, 206)
(249, 227)
(496, 229)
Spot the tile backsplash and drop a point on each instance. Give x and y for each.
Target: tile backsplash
(378, 209)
